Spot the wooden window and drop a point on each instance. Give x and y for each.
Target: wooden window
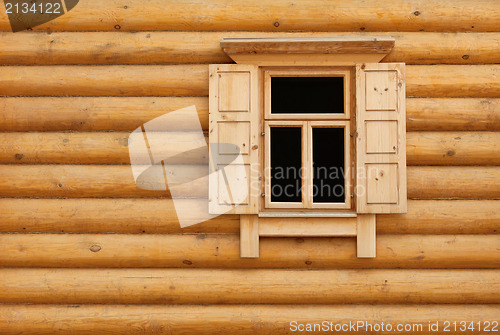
(307, 164)
(327, 104)
(307, 118)
(307, 123)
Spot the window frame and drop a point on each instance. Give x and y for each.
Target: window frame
(307, 122)
(267, 164)
(307, 165)
(301, 72)
(347, 163)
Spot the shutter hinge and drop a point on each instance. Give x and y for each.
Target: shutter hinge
(263, 195)
(262, 134)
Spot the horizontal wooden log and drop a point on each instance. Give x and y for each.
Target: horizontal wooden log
(101, 147)
(423, 148)
(319, 15)
(120, 80)
(159, 47)
(100, 181)
(265, 286)
(94, 113)
(452, 148)
(160, 216)
(470, 114)
(443, 217)
(104, 148)
(152, 80)
(468, 182)
(128, 113)
(453, 80)
(223, 251)
(113, 215)
(234, 319)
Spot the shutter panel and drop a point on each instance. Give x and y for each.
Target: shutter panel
(234, 135)
(381, 138)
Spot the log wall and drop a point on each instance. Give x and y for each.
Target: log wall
(85, 251)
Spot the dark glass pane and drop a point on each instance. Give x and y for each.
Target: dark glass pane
(328, 165)
(292, 95)
(286, 163)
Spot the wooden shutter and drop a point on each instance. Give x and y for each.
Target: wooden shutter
(381, 138)
(234, 135)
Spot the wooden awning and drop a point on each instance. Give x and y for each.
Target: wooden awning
(308, 51)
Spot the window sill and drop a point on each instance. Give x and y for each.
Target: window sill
(308, 215)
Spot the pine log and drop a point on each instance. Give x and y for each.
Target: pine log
(128, 113)
(159, 216)
(423, 148)
(101, 181)
(192, 80)
(101, 147)
(452, 148)
(280, 15)
(94, 113)
(160, 47)
(223, 251)
(443, 217)
(234, 286)
(457, 182)
(470, 114)
(233, 319)
(119, 80)
(453, 81)
(112, 215)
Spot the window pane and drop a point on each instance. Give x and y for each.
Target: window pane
(292, 95)
(286, 163)
(328, 165)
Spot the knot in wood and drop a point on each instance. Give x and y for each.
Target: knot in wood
(95, 248)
